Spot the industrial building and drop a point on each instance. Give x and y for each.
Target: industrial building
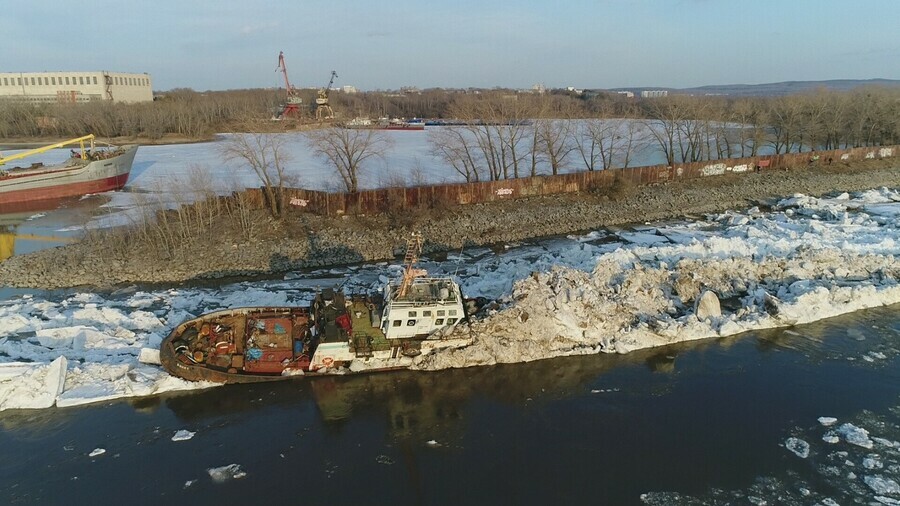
(654, 93)
(75, 87)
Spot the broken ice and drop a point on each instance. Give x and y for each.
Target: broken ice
(226, 473)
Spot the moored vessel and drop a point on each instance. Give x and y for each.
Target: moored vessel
(363, 123)
(88, 170)
(336, 333)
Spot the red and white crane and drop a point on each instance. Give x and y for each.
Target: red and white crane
(293, 101)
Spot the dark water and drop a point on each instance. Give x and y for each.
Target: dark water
(685, 419)
(28, 227)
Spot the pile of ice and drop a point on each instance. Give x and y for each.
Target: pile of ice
(811, 259)
(608, 291)
(87, 348)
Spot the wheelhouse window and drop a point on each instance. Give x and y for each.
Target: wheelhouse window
(451, 321)
(452, 312)
(426, 313)
(412, 314)
(441, 312)
(439, 321)
(397, 323)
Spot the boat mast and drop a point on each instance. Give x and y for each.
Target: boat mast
(413, 250)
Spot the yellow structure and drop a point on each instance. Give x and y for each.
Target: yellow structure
(80, 141)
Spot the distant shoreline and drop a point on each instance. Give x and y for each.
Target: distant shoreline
(37, 142)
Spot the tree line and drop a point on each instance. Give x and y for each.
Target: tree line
(690, 128)
(505, 136)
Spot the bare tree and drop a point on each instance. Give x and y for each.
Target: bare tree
(605, 143)
(663, 126)
(497, 124)
(786, 121)
(266, 156)
(348, 150)
(556, 138)
(454, 146)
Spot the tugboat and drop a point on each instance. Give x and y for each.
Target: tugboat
(337, 333)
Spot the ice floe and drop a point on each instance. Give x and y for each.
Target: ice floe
(183, 435)
(226, 473)
(851, 474)
(797, 446)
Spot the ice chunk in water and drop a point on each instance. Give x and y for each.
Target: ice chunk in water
(882, 485)
(855, 435)
(827, 421)
(797, 446)
(225, 473)
(183, 435)
(149, 356)
(97, 452)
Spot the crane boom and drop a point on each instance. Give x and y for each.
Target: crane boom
(36, 151)
(283, 68)
(330, 82)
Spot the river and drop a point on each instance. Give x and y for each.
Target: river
(720, 421)
(698, 423)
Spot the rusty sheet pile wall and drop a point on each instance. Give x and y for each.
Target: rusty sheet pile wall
(386, 199)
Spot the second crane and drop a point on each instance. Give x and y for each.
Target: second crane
(323, 110)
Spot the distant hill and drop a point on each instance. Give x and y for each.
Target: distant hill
(771, 89)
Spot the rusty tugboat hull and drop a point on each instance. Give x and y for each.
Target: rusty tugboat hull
(335, 334)
(214, 346)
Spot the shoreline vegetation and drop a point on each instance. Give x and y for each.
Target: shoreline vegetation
(822, 119)
(232, 238)
(503, 135)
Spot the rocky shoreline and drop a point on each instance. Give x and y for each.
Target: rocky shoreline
(348, 240)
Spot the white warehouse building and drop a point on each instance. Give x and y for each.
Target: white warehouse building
(75, 87)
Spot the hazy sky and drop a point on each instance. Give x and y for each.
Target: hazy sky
(377, 44)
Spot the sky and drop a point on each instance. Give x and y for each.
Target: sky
(377, 44)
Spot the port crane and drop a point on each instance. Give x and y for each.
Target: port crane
(292, 101)
(323, 110)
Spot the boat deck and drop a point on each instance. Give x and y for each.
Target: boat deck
(366, 337)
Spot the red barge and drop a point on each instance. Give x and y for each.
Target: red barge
(88, 170)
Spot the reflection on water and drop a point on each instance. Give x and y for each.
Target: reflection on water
(31, 226)
(415, 404)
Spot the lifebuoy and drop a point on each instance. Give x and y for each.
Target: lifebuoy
(327, 361)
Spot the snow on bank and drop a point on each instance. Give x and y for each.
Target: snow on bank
(813, 259)
(603, 292)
